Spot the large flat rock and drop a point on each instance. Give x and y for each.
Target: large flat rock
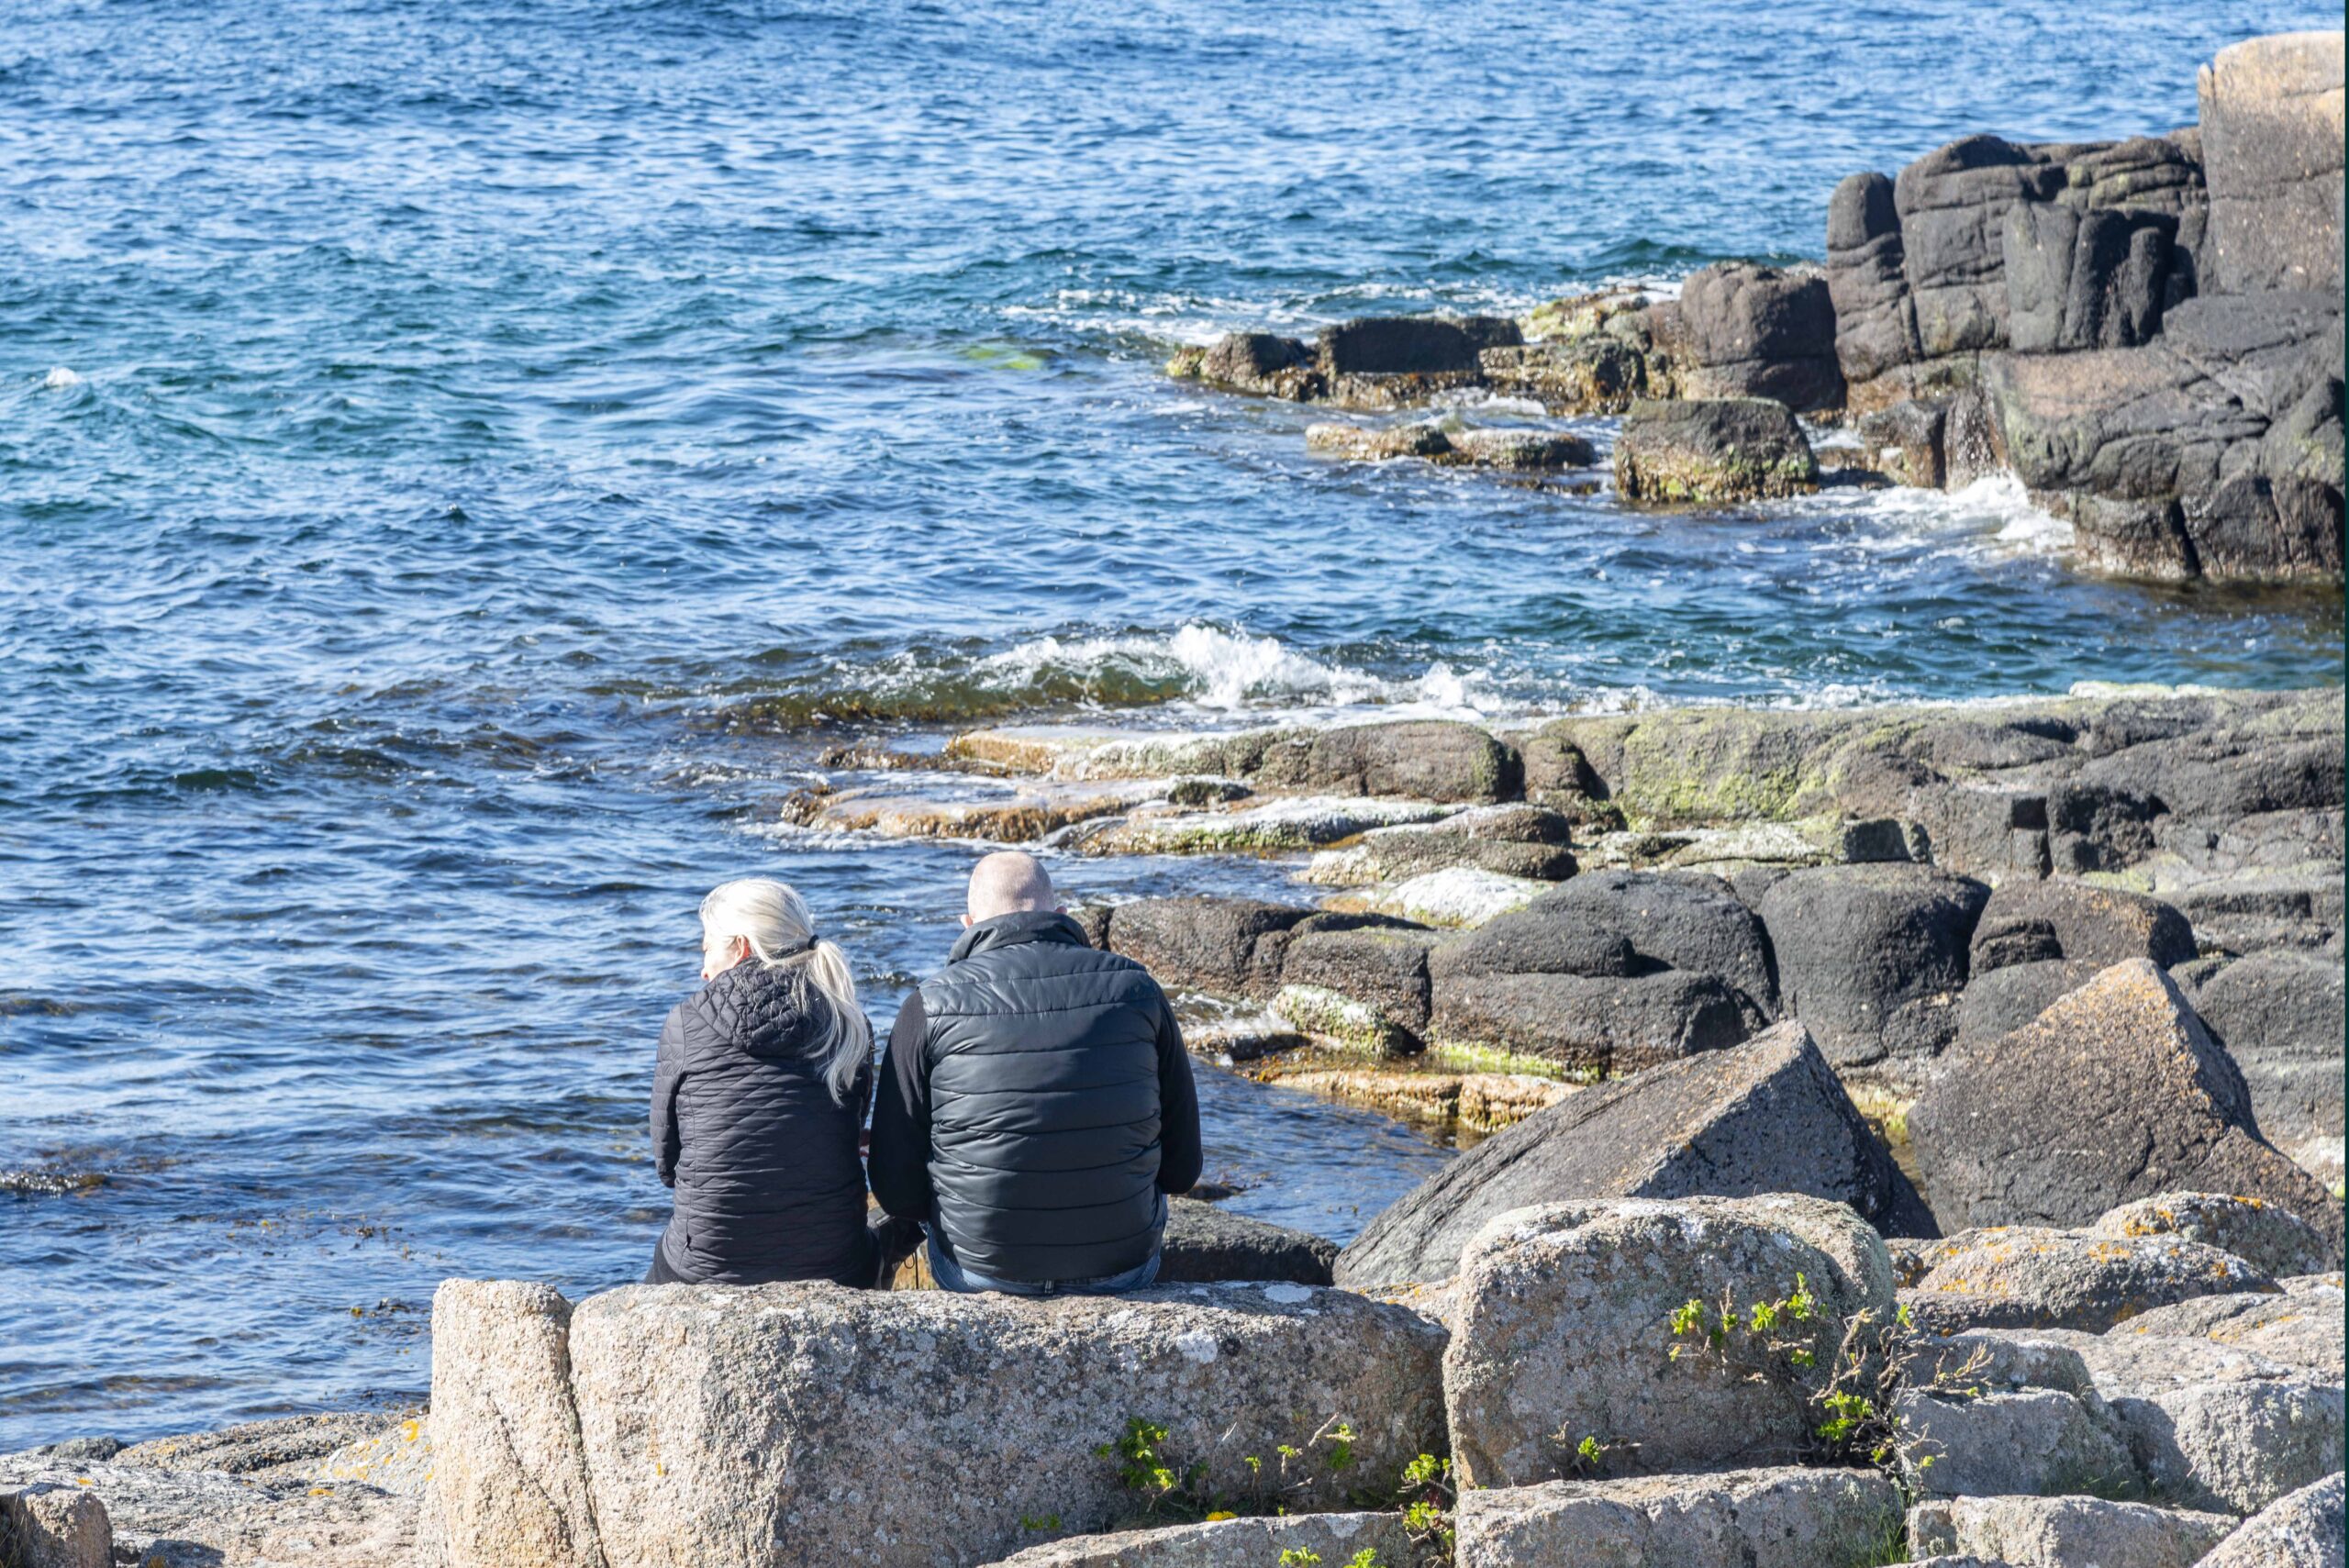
(848, 1427)
(1563, 1333)
(1740, 1518)
(1332, 1539)
(1768, 1115)
(2115, 1093)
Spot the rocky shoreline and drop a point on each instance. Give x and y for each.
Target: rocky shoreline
(2078, 960)
(2147, 332)
(1897, 1134)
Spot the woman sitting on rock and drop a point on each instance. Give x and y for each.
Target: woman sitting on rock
(758, 1097)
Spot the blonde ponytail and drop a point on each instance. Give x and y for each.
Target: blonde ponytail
(773, 920)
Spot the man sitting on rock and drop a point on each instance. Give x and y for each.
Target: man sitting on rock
(1036, 1107)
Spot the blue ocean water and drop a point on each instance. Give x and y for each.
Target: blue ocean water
(458, 465)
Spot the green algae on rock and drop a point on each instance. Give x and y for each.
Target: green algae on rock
(1701, 451)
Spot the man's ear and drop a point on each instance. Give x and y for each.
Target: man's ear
(966, 919)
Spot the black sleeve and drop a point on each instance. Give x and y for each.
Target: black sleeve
(668, 1070)
(1178, 1110)
(898, 1164)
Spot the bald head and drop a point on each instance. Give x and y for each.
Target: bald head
(1007, 882)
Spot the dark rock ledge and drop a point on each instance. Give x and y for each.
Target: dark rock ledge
(2146, 331)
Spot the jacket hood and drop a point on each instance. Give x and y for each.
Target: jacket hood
(1016, 928)
(761, 1011)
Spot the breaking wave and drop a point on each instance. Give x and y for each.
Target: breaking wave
(1201, 671)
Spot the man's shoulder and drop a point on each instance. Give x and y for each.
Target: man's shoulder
(951, 989)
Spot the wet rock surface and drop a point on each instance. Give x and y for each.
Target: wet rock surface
(2145, 330)
(1711, 450)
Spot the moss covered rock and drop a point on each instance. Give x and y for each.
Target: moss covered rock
(1711, 449)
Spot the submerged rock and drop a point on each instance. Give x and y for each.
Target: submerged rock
(1478, 1102)
(1262, 363)
(1713, 451)
(1768, 1116)
(1522, 450)
(1367, 443)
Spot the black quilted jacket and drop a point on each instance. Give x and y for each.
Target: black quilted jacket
(745, 1129)
(1035, 1105)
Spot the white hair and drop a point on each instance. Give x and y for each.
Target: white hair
(771, 919)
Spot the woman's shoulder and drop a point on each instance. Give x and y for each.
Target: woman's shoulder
(700, 1017)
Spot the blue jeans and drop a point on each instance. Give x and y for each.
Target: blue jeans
(952, 1275)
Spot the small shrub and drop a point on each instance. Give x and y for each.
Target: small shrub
(1849, 1372)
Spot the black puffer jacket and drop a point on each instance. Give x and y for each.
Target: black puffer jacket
(1035, 1103)
(745, 1128)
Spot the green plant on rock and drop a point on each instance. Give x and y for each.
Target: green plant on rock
(1427, 1493)
(1172, 1488)
(1848, 1372)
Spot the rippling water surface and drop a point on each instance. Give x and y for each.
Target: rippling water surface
(459, 464)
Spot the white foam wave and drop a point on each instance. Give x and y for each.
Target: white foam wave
(1226, 670)
(1195, 321)
(62, 379)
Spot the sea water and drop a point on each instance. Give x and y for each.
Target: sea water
(459, 465)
